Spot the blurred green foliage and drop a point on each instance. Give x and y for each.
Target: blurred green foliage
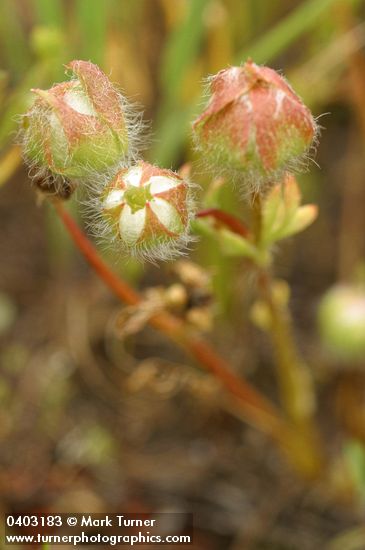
(158, 52)
(193, 33)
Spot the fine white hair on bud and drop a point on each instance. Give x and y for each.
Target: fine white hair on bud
(144, 210)
(254, 127)
(78, 128)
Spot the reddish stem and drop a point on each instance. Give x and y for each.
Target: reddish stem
(256, 408)
(233, 223)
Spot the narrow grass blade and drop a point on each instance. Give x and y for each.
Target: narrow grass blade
(286, 31)
(92, 19)
(181, 48)
(12, 38)
(49, 12)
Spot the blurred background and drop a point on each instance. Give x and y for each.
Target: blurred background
(100, 413)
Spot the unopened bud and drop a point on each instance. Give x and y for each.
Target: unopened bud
(77, 127)
(342, 322)
(254, 124)
(148, 210)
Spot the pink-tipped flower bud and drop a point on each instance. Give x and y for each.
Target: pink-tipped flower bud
(341, 317)
(148, 210)
(76, 127)
(254, 124)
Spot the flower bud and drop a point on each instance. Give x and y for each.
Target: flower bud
(254, 124)
(341, 318)
(148, 210)
(76, 127)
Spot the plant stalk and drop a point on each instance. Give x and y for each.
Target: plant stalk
(257, 409)
(294, 379)
(225, 218)
(246, 402)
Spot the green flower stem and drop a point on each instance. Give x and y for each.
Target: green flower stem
(257, 217)
(295, 383)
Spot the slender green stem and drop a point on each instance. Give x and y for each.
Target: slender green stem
(295, 384)
(257, 217)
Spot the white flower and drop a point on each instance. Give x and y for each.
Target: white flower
(149, 209)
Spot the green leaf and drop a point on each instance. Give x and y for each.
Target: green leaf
(49, 13)
(181, 48)
(13, 42)
(273, 214)
(202, 227)
(300, 20)
(92, 18)
(282, 214)
(304, 216)
(180, 53)
(235, 245)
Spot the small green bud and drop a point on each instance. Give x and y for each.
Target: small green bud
(77, 127)
(341, 317)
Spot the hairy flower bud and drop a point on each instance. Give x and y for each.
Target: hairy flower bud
(76, 127)
(148, 210)
(254, 124)
(341, 318)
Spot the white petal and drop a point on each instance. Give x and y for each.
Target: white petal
(131, 225)
(79, 102)
(167, 215)
(162, 183)
(114, 198)
(133, 176)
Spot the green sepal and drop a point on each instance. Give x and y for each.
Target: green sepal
(282, 214)
(236, 245)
